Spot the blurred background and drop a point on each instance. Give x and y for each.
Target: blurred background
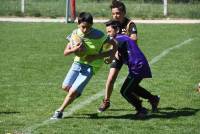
(142, 9)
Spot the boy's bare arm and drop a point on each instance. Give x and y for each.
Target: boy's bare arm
(134, 37)
(68, 49)
(110, 53)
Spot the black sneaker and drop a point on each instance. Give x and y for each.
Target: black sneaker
(57, 115)
(105, 105)
(142, 113)
(154, 103)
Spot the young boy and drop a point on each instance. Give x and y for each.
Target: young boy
(129, 53)
(87, 50)
(128, 27)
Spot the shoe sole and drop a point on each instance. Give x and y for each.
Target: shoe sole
(55, 118)
(99, 111)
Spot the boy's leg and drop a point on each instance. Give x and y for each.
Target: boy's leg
(109, 88)
(112, 76)
(142, 92)
(79, 81)
(110, 82)
(68, 99)
(127, 92)
(67, 83)
(71, 76)
(83, 78)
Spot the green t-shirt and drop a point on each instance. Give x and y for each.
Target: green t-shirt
(93, 42)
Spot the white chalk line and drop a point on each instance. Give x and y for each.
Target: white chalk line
(166, 51)
(82, 104)
(66, 114)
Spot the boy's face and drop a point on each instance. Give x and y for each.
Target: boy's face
(111, 31)
(85, 27)
(117, 14)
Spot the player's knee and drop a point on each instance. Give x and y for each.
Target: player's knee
(74, 94)
(125, 93)
(65, 88)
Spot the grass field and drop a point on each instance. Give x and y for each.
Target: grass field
(57, 8)
(32, 68)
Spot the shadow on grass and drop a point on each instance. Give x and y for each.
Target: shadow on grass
(165, 113)
(9, 112)
(119, 110)
(170, 112)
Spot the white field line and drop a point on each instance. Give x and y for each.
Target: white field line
(166, 51)
(82, 104)
(62, 20)
(65, 114)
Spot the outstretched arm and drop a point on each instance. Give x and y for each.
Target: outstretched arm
(110, 53)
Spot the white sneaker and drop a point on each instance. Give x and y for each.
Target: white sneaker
(57, 115)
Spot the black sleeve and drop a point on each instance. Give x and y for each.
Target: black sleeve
(132, 29)
(116, 64)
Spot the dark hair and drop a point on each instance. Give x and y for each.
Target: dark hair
(85, 17)
(114, 24)
(118, 4)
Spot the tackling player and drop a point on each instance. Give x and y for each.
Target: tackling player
(130, 54)
(128, 27)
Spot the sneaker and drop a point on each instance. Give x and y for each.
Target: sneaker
(57, 115)
(154, 103)
(142, 113)
(105, 105)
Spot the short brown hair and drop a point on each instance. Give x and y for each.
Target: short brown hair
(118, 4)
(85, 17)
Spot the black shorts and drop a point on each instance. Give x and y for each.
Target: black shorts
(116, 64)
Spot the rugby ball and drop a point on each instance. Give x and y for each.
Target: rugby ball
(75, 40)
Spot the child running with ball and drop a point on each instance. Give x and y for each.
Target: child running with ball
(87, 44)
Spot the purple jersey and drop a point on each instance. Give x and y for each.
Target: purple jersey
(133, 57)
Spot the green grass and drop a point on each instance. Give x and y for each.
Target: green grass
(32, 68)
(56, 8)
